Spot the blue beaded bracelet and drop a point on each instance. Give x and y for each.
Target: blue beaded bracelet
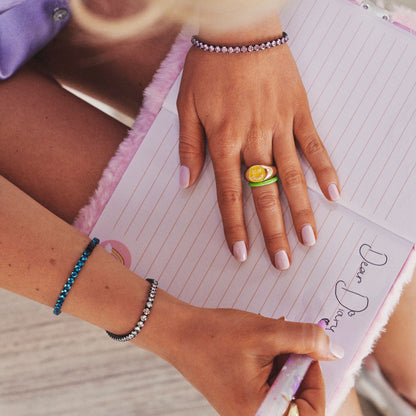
(74, 274)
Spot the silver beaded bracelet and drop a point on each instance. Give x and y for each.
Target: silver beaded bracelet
(240, 49)
(143, 318)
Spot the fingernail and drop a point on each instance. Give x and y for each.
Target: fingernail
(322, 323)
(308, 236)
(240, 251)
(281, 260)
(184, 176)
(333, 192)
(336, 350)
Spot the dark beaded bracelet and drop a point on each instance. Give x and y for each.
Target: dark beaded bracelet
(74, 274)
(143, 318)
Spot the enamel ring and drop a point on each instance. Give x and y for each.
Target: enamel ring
(260, 173)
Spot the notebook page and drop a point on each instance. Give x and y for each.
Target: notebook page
(360, 75)
(176, 235)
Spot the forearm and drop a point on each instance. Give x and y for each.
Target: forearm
(261, 29)
(39, 251)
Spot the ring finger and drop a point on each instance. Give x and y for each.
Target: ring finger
(269, 211)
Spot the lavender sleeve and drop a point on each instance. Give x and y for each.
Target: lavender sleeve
(26, 26)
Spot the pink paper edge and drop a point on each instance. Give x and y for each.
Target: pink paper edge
(374, 332)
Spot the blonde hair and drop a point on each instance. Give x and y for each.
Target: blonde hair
(219, 15)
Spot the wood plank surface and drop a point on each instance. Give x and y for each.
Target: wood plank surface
(62, 366)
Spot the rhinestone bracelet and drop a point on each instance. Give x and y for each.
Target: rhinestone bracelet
(239, 49)
(74, 274)
(145, 314)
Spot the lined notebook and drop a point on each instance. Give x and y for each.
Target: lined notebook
(359, 72)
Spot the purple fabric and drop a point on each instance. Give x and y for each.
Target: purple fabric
(26, 26)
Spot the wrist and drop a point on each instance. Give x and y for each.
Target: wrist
(166, 327)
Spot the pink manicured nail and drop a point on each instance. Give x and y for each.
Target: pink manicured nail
(281, 260)
(336, 350)
(308, 236)
(240, 251)
(184, 176)
(333, 192)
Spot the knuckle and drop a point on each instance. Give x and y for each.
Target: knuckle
(229, 196)
(232, 227)
(293, 177)
(226, 150)
(314, 338)
(276, 238)
(304, 215)
(189, 145)
(223, 144)
(266, 202)
(325, 170)
(313, 145)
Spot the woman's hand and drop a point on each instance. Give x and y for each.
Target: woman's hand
(229, 355)
(250, 107)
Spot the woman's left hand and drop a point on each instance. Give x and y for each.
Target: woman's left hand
(250, 107)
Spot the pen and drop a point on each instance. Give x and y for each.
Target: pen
(286, 384)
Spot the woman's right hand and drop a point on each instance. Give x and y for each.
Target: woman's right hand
(229, 355)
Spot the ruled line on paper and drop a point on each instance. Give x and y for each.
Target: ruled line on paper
(398, 195)
(223, 246)
(314, 267)
(219, 225)
(209, 213)
(140, 181)
(349, 286)
(293, 280)
(264, 251)
(313, 30)
(295, 11)
(306, 17)
(331, 51)
(387, 135)
(357, 107)
(266, 298)
(394, 173)
(347, 74)
(376, 101)
(173, 200)
(326, 272)
(325, 36)
(330, 291)
(194, 198)
(196, 264)
(134, 217)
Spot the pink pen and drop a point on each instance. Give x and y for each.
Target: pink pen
(286, 384)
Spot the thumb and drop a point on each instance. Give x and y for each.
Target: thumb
(191, 145)
(310, 339)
